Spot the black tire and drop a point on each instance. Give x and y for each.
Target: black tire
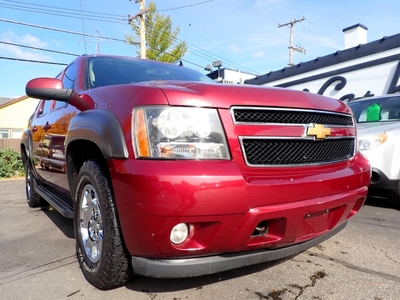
(101, 252)
(394, 196)
(32, 197)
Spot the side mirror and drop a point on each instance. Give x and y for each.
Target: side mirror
(52, 89)
(48, 89)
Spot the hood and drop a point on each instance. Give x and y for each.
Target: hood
(369, 128)
(213, 95)
(227, 95)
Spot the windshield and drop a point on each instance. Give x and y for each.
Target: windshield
(103, 71)
(384, 109)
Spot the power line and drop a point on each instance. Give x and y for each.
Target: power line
(176, 56)
(77, 33)
(180, 7)
(85, 34)
(327, 34)
(36, 48)
(194, 50)
(57, 13)
(63, 8)
(213, 55)
(33, 61)
(65, 31)
(96, 15)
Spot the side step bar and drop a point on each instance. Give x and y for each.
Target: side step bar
(64, 206)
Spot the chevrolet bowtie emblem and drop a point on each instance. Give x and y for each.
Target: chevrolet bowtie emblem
(318, 131)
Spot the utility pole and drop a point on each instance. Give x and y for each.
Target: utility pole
(291, 47)
(142, 29)
(141, 14)
(97, 40)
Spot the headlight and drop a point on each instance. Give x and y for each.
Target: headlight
(371, 141)
(178, 133)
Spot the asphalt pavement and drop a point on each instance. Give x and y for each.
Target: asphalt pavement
(37, 261)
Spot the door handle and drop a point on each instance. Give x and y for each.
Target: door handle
(46, 126)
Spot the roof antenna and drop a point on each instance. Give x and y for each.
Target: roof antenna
(83, 28)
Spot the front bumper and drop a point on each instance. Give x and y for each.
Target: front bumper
(224, 206)
(191, 267)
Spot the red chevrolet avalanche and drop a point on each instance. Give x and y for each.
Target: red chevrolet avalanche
(168, 174)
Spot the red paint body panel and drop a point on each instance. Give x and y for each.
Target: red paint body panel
(225, 206)
(224, 96)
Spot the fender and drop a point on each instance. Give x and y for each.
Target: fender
(26, 140)
(101, 127)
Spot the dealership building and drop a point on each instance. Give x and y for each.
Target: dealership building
(361, 69)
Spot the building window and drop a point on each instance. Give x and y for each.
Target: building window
(10, 133)
(16, 133)
(4, 133)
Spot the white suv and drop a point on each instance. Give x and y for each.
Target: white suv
(378, 126)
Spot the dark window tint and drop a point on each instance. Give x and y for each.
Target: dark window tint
(58, 104)
(103, 71)
(69, 77)
(45, 107)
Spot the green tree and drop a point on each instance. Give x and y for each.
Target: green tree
(160, 37)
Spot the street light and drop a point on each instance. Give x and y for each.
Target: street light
(217, 64)
(208, 68)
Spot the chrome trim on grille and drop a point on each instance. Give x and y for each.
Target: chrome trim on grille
(293, 110)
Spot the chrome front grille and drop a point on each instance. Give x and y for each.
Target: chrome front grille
(289, 151)
(289, 116)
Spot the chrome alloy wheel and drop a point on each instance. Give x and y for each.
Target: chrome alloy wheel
(28, 182)
(91, 223)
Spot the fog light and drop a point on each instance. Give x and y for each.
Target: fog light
(179, 233)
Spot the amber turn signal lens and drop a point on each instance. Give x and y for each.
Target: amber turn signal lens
(141, 134)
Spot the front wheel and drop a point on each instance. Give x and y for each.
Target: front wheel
(101, 253)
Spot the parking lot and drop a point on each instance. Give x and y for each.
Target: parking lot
(37, 261)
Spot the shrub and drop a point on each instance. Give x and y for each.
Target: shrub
(10, 164)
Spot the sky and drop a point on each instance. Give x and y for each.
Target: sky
(243, 35)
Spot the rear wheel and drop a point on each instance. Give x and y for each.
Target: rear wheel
(100, 249)
(32, 197)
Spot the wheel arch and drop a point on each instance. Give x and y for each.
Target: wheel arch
(97, 135)
(26, 152)
(26, 145)
(101, 127)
